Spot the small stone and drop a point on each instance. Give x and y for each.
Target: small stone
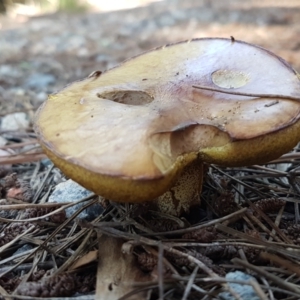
(3, 141)
(40, 81)
(15, 121)
(246, 292)
(19, 92)
(70, 191)
(102, 58)
(83, 52)
(41, 97)
(22, 249)
(9, 70)
(46, 162)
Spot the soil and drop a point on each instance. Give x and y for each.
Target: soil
(42, 54)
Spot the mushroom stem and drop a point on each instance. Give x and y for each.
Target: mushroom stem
(184, 193)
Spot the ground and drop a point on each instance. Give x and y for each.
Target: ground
(40, 55)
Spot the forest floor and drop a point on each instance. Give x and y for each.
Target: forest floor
(258, 235)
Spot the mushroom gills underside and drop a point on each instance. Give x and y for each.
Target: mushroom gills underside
(184, 193)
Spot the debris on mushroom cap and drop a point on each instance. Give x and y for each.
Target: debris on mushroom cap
(128, 133)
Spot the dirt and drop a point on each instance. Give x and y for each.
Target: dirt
(41, 54)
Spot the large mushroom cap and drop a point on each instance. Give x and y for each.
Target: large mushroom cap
(127, 134)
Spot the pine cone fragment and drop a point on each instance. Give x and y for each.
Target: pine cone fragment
(57, 286)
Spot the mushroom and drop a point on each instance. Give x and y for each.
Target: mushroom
(142, 130)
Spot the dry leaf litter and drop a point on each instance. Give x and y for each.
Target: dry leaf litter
(249, 218)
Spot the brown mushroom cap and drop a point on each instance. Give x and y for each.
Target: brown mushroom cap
(128, 133)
